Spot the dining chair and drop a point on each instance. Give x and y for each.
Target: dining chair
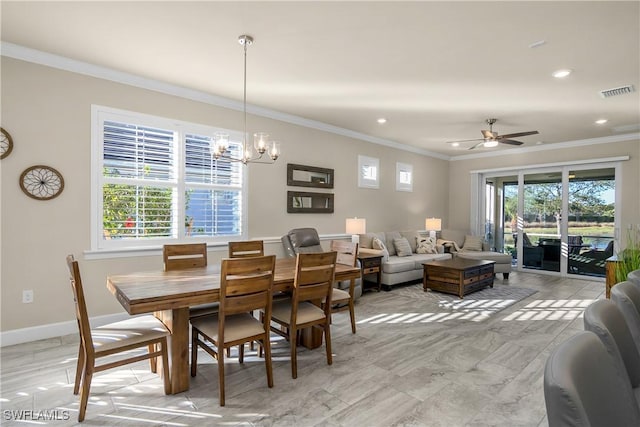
(312, 284)
(583, 388)
(119, 337)
(190, 255)
(245, 285)
(341, 300)
(247, 248)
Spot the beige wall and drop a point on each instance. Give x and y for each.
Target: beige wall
(459, 175)
(47, 111)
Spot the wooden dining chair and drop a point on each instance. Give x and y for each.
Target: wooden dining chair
(190, 255)
(245, 285)
(312, 284)
(342, 300)
(119, 337)
(248, 248)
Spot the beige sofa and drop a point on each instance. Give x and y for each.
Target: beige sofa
(399, 269)
(502, 261)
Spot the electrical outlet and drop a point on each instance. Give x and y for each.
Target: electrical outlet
(27, 297)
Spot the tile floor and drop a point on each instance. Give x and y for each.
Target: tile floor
(451, 372)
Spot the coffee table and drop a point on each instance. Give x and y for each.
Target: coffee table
(459, 276)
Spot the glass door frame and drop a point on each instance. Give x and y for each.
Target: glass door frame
(478, 205)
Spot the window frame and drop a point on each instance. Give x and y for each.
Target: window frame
(404, 168)
(363, 180)
(101, 114)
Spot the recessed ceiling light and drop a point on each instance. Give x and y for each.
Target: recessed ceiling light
(601, 121)
(560, 74)
(537, 44)
(455, 144)
(382, 120)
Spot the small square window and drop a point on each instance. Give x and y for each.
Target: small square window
(368, 172)
(404, 177)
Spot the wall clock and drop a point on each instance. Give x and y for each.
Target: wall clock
(6, 144)
(41, 182)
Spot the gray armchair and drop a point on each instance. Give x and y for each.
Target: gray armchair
(583, 388)
(626, 295)
(306, 240)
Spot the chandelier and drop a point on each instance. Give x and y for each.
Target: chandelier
(261, 144)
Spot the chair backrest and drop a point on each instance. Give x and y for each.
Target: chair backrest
(300, 241)
(249, 248)
(314, 278)
(179, 257)
(626, 295)
(604, 319)
(347, 252)
(246, 284)
(634, 277)
(84, 327)
(582, 387)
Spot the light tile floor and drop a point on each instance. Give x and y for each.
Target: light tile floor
(451, 373)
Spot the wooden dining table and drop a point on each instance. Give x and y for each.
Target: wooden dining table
(169, 294)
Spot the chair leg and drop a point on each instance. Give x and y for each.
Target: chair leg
(221, 375)
(353, 316)
(165, 366)
(327, 338)
(84, 392)
(266, 344)
(241, 353)
(294, 356)
(79, 369)
(153, 362)
(194, 351)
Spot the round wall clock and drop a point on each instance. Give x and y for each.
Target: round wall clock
(41, 182)
(6, 143)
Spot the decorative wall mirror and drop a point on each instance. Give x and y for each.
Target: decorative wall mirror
(309, 176)
(307, 202)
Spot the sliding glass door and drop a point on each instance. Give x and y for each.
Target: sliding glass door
(559, 220)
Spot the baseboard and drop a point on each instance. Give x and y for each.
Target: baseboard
(52, 330)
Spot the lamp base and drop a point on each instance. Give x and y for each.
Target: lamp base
(432, 234)
(355, 238)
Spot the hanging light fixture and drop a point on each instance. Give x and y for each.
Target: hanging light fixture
(261, 142)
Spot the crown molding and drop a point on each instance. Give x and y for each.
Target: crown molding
(15, 51)
(555, 146)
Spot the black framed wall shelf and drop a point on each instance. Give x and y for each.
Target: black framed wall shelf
(309, 202)
(309, 176)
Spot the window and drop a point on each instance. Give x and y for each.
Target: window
(404, 177)
(368, 172)
(156, 182)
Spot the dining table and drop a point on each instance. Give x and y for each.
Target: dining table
(169, 294)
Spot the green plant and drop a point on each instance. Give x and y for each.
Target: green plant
(629, 258)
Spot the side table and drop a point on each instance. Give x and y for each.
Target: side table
(369, 264)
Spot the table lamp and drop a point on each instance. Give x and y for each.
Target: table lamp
(355, 226)
(432, 225)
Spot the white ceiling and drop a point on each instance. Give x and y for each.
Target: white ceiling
(435, 70)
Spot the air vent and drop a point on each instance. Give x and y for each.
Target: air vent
(616, 91)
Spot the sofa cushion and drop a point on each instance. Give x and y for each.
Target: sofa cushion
(397, 264)
(472, 243)
(402, 246)
(426, 245)
(412, 238)
(366, 240)
(453, 235)
(389, 236)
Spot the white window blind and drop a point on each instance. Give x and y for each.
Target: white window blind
(157, 182)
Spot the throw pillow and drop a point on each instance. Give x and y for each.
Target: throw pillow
(402, 246)
(472, 243)
(426, 245)
(377, 244)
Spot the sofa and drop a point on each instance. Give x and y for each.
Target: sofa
(399, 269)
(464, 245)
(306, 240)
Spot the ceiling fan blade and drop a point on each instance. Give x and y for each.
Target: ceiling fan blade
(488, 134)
(515, 135)
(510, 142)
(465, 140)
(476, 145)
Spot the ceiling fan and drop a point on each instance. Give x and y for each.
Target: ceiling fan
(491, 138)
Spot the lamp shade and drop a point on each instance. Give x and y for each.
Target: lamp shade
(356, 226)
(433, 224)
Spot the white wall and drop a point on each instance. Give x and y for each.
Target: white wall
(47, 111)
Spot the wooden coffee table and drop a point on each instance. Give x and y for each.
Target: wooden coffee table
(459, 276)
